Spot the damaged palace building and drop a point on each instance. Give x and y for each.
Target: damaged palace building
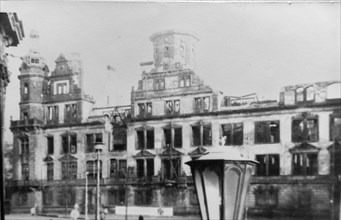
(173, 116)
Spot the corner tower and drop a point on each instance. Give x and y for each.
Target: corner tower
(174, 50)
(33, 79)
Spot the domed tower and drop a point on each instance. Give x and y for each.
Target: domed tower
(33, 80)
(174, 50)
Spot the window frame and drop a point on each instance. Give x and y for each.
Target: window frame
(143, 135)
(50, 171)
(304, 133)
(233, 134)
(267, 139)
(267, 165)
(201, 139)
(334, 135)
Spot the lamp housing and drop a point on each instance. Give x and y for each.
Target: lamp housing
(221, 179)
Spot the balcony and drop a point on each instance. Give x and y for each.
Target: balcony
(31, 123)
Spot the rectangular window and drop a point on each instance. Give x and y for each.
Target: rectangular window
(150, 139)
(91, 168)
(113, 168)
(269, 165)
(266, 196)
(141, 109)
(206, 103)
(50, 113)
(69, 170)
(116, 197)
(143, 197)
(122, 168)
(149, 108)
(305, 164)
(56, 113)
(91, 139)
(140, 168)
(73, 144)
(267, 132)
(197, 103)
(168, 136)
(184, 81)
(207, 135)
(172, 106)
(67, 113)
(65, 144)
(177, 137)
(232, 134)
(159, 84)
(25, 171)
(120, 139)
(140, 140)
(150, 167)
(171, 168)
(169, 106)
(50, 171)
(144, 167)
(335, 128)
(177, 142)
(145, 139)
(305, 130)
(74, 111)
(25, 150)
(202, 103)
(50, 145)
(196, 135)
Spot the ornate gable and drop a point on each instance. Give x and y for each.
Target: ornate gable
(68, 157)
(170, 152)
(48, 158)
(336, 146)
(144, 153)
(304, 147)
(197, 152)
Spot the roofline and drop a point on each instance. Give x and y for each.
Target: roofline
(168, 32)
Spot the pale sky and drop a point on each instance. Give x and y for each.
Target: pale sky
(244, 47)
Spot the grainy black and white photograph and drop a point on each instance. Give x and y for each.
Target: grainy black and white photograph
(191, 110)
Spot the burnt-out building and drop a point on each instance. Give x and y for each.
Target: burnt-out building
(173, 116)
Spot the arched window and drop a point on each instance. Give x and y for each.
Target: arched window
(299, 94)
(25, 88)
(310, 93)
(334, 91)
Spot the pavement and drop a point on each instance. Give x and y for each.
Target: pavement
(122, 217)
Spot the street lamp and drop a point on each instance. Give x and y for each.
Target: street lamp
(86, 195)
(98, 148)
(221, 181)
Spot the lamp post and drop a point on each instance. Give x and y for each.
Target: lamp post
(98, 147)
(86, 195)
(221, 181)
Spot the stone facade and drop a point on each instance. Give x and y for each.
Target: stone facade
(173, 116)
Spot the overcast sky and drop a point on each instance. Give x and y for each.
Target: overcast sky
(244, 47)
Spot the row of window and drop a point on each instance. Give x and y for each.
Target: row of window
(303, 163)
(231, 134)
(307, 94)
(69, 142)
(117, 169)
(70, 112)
(159, 84)
(173, 106)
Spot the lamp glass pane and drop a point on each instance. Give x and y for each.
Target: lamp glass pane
(231, 187)
(212, 188)
(245, 186)
(200, 193)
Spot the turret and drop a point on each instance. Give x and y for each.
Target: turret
(33, 80)
(174, 50)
